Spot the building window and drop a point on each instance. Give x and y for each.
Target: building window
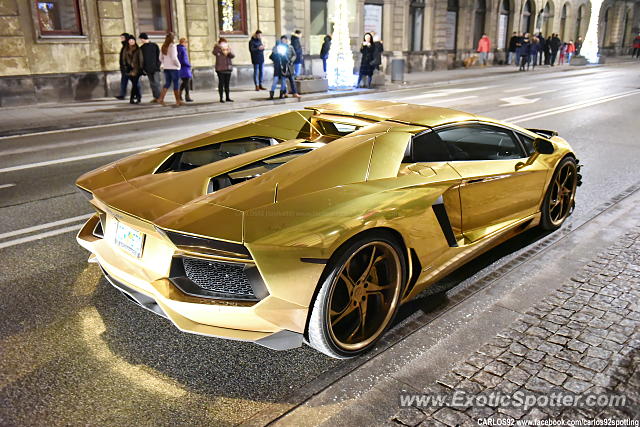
(154, 16)
(232, 16)
(563, 22)
(579, 20)
(478, 22)
(59, 17)
(526, 17)
(417, 20)
(503, 24)
(547, 18)
(373, 18)
(452, 24)
(318, 17)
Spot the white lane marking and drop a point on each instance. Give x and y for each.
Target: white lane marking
(44, 226)
(517, 89)
(569, 107)
(517, 100)
(44, 147)
(7, 185)
(40, 236)
(446, 101)
(76, 158)
(541, 92)
(444, 92)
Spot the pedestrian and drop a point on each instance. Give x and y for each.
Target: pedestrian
(512, 48)
(525, 52)
(484, 47)
(378, 49)
(133, 62)
(636, 47)
(224, 55)
(151, 64)
(571, 49)
(283, 56)
(563, 52)
(186, 76)
(541, 41)
(555, 45)
(171, 66)
(534, 49)
(124, 78)
(296, 43)
(256, 49)
(519, 39)
(366, 70)
(578, 45)
(324, 51)
(547, 50)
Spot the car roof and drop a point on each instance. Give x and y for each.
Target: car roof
(421, 115)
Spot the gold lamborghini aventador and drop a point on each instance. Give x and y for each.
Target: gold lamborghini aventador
(315, 225)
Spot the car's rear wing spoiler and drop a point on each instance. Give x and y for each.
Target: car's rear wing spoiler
(544, 132)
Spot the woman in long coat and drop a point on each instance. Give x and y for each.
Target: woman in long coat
(367, 51)
(185, 69)
(133, 65)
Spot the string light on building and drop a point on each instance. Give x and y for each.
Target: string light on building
(340, 62)
(590, 46)
(227, 15)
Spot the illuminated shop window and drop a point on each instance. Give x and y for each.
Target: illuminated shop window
(232, 16)
(59, 17)
(154, 16)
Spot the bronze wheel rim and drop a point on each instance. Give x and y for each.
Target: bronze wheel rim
(563, 190)
(364, 295)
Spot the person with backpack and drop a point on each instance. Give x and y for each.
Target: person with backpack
(283, 56)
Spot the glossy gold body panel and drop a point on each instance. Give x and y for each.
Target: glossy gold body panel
(293, 218)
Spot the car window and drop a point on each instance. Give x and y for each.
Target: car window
(477, 142)
(427, 147)
(528, 144)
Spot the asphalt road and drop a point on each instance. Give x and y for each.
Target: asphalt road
(74, 351)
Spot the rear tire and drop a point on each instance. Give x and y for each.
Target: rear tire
(559, 199)
(358, 297)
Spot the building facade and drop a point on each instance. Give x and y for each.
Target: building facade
(69, 49)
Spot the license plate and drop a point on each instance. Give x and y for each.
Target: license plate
(129, 239)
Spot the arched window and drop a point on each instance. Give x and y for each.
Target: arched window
(547, 19)
(527, 19)
(563, 23)
(604, 36)
(478, 21)
(503, 24)
(580, 22)
(452, 24)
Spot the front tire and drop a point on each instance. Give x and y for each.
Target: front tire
(359, 296)
(559, 199)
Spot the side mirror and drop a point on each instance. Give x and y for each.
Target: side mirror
(543, 146)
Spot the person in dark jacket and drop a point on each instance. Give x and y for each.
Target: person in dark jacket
(224, 55)
(578, 45)
(185, 70)
(283, 56)
(124, 78)
(525, 52)
(133, 62)
(324, 51)
(554, 44)
(546, 50)
(297, 48)
(511, 50)
(256, 48)
(378, 49)
(151, 64)
(541, 41)
(366, 69)
(518, 43)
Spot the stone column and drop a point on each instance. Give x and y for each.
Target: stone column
(13, 55)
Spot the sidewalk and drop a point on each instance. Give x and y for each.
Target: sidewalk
(45, 117)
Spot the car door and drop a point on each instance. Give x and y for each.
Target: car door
(493, 192)
(427, 153)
